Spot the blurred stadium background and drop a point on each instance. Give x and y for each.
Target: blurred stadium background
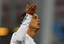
(10, 14)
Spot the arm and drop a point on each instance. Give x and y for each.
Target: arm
(19, 35)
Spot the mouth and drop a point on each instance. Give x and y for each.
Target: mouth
(39, 24)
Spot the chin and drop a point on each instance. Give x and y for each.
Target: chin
(38, 28)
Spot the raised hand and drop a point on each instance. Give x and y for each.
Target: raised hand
(31, 9)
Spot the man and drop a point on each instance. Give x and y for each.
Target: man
(26, 32)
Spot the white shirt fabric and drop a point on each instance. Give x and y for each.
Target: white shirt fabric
(21, 36)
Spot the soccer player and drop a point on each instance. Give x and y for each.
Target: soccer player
(30, 25)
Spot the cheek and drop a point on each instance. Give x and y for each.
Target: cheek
(33, 23)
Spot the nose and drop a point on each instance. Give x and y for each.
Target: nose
(38, 20)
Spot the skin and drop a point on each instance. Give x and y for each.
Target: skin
(34, 25)
(31, 9)
(35, 21)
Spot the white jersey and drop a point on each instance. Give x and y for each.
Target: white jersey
(21, 36)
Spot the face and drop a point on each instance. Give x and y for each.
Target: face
(35, 22)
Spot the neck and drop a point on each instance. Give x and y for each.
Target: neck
(31, 32)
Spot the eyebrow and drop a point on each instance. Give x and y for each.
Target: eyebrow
(37, 17)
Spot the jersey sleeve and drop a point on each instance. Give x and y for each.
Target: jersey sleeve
(18, 36)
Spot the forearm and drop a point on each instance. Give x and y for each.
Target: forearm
(19, 35)
(23, 28)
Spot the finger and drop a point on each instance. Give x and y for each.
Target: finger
(27, 6)
(33, 8)
(30, 6)
(35, 5)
